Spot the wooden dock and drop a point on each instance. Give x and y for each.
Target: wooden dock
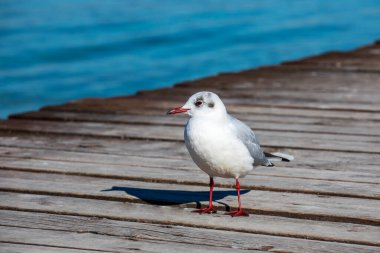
(113, 175)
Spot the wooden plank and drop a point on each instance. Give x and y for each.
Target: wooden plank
(282, 77)
(274, 82)
(171, 154)
(63, 239)
(362, 59)
(354, 96)
(317, 162)
(273, 123)
(137, 104)
(368, 144)
(348, 61)
(278, 179)
(172, 216)
(146, 106)
(331, 67)
(86, 144)
(101, 242)
(368, 106)
(349, 65)
(30, 248)
(107, 228)
(249, 111)
(156, 117)
(304, 206)
(354, 184)
(330, 160)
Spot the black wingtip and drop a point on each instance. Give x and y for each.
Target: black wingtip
(283, 159)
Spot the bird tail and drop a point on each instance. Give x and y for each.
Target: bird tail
(277, 156)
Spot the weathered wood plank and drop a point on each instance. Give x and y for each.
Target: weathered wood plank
(88, 144)
(351, 65)
(159, 170)
(164, 232)
(315, 163)
(149, 131)
(101, 242)
(140, 103)
(347, 61)
(152, 167)
(331, 67)
(355, 97)
(317, 159)
(172, 216)
(164, 154)
(31, 248)
(282, 77)
(137, 104)
(368, 144)
(156, 117)
(362, 59)
(305, 206)
(269, 123)
(368, 106)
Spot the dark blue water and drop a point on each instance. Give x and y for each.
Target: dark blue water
(56, 51)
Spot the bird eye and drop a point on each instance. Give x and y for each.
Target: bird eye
(198, 103)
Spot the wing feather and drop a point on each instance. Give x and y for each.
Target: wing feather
(248, 137)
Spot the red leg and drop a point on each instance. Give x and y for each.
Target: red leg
(210, 208)
(240, 211)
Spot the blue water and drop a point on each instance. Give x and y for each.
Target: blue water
(54, 51)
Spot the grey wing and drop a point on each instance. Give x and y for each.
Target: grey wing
(247, 136)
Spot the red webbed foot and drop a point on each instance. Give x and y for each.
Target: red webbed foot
(239, 212)
(209, 209)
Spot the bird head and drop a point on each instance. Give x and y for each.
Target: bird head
(204, 103)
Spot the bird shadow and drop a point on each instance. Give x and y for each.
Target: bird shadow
(175, 197)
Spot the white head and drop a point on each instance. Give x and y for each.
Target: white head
(204, 103)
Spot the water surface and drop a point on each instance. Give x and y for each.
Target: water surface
(55, 51)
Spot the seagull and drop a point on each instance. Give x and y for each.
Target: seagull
(221, 145)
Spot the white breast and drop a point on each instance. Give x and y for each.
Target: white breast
(216, 150)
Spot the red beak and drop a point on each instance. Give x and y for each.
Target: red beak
(177, 110)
